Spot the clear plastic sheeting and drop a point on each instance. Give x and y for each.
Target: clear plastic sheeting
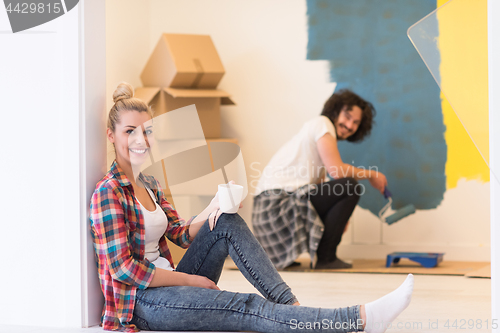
(172, 148)
(452, 41)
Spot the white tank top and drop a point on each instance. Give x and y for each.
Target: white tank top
(155, 224)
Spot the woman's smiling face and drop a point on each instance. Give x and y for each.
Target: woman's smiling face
(132, 137)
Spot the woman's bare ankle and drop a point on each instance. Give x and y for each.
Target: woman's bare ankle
(362, 314)
(296, 303)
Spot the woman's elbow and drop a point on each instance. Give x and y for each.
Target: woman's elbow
(119, 273)
(124, 272)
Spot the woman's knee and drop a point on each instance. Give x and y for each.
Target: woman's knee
(231, 221)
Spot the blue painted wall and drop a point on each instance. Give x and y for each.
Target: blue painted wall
(369, 52)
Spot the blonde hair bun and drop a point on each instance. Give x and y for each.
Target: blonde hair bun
(123, 91)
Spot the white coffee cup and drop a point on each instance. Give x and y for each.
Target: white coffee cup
(230, 196)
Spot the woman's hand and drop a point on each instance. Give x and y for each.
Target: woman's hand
(213, 217)
(378, 181)
(215, 211)
(166, 278)
(200, 281)
(214, 204)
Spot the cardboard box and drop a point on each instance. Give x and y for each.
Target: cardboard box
(183, 61)
(207, 103)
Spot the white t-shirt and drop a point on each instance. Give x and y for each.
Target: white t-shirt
(155, 224)
(297, 163)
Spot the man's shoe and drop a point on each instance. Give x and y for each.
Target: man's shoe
(293, 265)
(336, 264)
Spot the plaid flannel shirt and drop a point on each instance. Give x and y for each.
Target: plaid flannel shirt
(117, 227)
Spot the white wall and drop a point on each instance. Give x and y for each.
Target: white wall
(127, 47)
(40, 97)
(494, 105)
(45, 171)
(263, 45)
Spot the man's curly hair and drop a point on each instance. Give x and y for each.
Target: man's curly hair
(345, 97)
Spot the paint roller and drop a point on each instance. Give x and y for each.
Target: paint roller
(388, 215)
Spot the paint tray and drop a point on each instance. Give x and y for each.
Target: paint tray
(428, 260)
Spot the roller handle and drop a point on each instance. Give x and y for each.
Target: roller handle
(387, 194)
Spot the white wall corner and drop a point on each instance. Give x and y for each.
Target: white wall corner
(92, 36)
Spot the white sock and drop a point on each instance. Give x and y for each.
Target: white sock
(380, 313)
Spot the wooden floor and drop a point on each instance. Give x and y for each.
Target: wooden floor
(406, 266)
(439, 302)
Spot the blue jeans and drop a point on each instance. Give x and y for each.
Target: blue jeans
(181, 308)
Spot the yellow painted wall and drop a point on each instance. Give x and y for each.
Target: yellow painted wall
(463, 43)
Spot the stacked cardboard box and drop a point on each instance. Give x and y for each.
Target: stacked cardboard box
(185, 70)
